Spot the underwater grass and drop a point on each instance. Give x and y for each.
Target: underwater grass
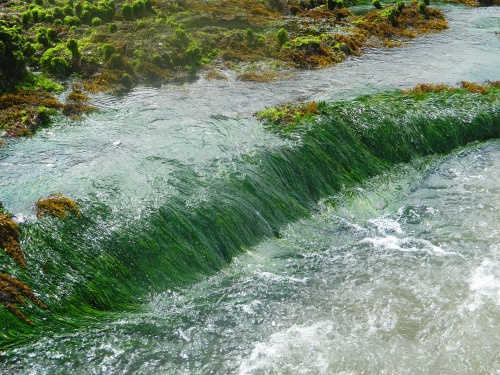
(102, 262)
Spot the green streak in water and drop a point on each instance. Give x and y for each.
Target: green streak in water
(85, 268)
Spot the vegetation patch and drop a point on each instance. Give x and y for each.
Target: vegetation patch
(113, 45)
(55, 205)
(290, 117)
(422, 89)
(260, 77)
(14, 293)
(9, 239)
(289, 114)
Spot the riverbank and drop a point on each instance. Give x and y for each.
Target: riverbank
(113, 46)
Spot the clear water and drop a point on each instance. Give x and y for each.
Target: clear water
(138, 148)
(400, 276)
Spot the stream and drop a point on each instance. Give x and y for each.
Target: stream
(399, 275)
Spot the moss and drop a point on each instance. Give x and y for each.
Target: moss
(112, 28)
(108, 50)
(282, 36)
(96, 21)
(72, 46)
(288, 113)
(126, 81)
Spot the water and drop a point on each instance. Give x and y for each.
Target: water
(136, 148)
(400, 275)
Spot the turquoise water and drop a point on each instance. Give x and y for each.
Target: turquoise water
(203, 231)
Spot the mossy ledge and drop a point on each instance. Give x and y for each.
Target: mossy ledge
(114, 45)
(84, 268)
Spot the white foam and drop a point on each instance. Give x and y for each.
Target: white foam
(386, 225)
(406, 244)
(288, 351)
(484, 283)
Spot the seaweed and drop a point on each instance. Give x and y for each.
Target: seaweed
(55, 205)
(11, 295)
(9, 240)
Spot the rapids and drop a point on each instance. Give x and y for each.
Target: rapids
(399, 274)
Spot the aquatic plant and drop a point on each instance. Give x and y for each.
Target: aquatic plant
(108, 50)
(41, 36)
(72, 21)
(58, 65)
(282, 36)
(52, 34)
(472, 87)
(72, 46)
(127, 12)
(422, 7)
(9, 236)
(391, 16)
(11, 295)
(116, 61)
(377, 4)
(215, 75)
(289, 113)
(112, 28)
(55, 205)
(12, 56)
(156, 59)
(126, 81)
(96, 21)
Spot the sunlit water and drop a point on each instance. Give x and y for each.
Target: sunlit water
(400, 276)
(141, 145)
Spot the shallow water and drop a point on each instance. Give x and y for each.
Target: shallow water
(399, 276)
(141, 144)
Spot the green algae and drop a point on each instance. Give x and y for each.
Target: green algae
(89, 266)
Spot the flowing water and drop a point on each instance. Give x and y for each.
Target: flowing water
(398, 276)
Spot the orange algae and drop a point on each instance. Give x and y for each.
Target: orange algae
(9, 236)
(288, 113)
(260, 77)
(465, 85)
(55, 205)
(215, 75)
(77, 102)
(407, 23)
(11, 295)
(19, 111)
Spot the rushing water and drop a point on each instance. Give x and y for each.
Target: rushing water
(399, 276)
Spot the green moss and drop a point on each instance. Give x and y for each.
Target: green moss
(127, 12)
(126, 81)
(72, 46)
(96, 21)
(108, 50)
(282, 36)
(39, 82)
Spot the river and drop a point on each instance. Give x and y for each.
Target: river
(400, 275)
